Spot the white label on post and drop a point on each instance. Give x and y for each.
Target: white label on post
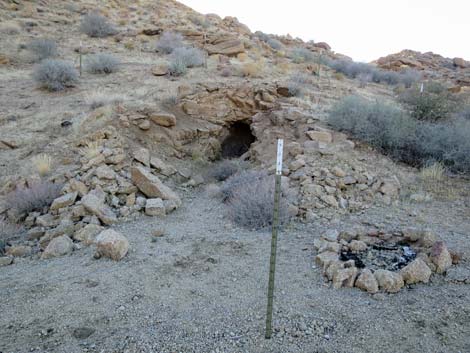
(422, 88)
(280, 144)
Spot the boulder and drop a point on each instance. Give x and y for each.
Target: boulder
(416, 271)
(151, 185)
(87, 234)
(59, 246)
(155, 207)
(142, 155)
(440, 257)
(19, 251)
(320, 136)
(95, 206)
(162, 167)
(459, 62)
(111, 244)
(331, 235)
(160, 70)
(326, 258)
(331, 270)
(226, 46)
(389, 281)
(105, 172)
(357, 246)
(345, 277)
(163, 119)
(322, 45)
(64, 201)
(367, 282)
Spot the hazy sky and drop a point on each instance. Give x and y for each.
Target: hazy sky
(362, 29)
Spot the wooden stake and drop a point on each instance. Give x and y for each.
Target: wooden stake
(80, 51)
(272, 261)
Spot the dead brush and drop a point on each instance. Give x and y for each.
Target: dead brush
(43, 164)
(36, 197)
(91, 150)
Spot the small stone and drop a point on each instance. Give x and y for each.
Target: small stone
(337, 171)
(367, 282)
(155, 207)
(160, 70)
(112, 244)
(158, 233)
(95, 206)
(105, 172)
(59, 246)
(163, 119)
(331, 235)
(330, 200)
(144, 125)
(331, 270)
(320, 136)
(82, 332)
(389, 281)
(440, 256)
(6, 260)
(87, 234)
(357, 246)
(416, 271)
(151, 185)
(349, 180)
(64, 201)
(326, 258)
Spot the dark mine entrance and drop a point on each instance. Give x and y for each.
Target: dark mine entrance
(238, 140)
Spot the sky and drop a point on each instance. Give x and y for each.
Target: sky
(362, 29)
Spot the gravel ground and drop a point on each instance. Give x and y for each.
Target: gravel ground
(202, 288)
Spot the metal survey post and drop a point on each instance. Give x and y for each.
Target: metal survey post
(272, 261)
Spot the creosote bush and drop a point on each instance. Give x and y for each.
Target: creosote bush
(55, 75)
(250, 200)
(433, 104)
(38, 196)
(43, 49)
(96, 26)
(169, 41)
(102, 64)
(394, 132)
(183, 58)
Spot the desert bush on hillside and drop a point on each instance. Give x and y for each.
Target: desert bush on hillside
(274, 43)
(55, 75)
(250, 199)
(192, 57)
(98, 99)
(394, 132)
(177, 66)
(102, 64)
(38, 196)
(369, 73)
(252, 69)
(433, 104)
(169, 41)
(43, 49)
(96, 26)
(224, 169)
(297, 83)
(300, 55)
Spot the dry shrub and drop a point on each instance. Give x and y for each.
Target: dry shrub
(38, 196)
(91, 150)
(10, 28)
(102, 64)
(55, 75)
(96, 26)
(433, 172)
(43, 164)
(253, 69)
(43, 49)
(98, 99)
(249, 196)
(169, 41)
(224, 169)
(242, 57)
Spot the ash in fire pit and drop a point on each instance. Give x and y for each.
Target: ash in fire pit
(376, 260)
(376, 257)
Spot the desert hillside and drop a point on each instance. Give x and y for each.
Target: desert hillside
(137, 152)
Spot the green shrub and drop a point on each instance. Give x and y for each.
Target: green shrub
(55, 75)
(433, 104)
(43, 49)
(96, 26)
(102, 64)
(394, 132)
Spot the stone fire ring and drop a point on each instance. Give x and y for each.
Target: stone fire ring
(376, 261)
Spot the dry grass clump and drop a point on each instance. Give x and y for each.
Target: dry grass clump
(98, 99)
(433, 173)
(43, 164)
(55, 75)
(43, 49)
(91, 150)
(37, 197)
(249, 196)
(96, 26)
(102, 64)
(252, 69)
(10, 28)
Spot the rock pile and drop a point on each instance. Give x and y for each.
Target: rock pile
(343, 259)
